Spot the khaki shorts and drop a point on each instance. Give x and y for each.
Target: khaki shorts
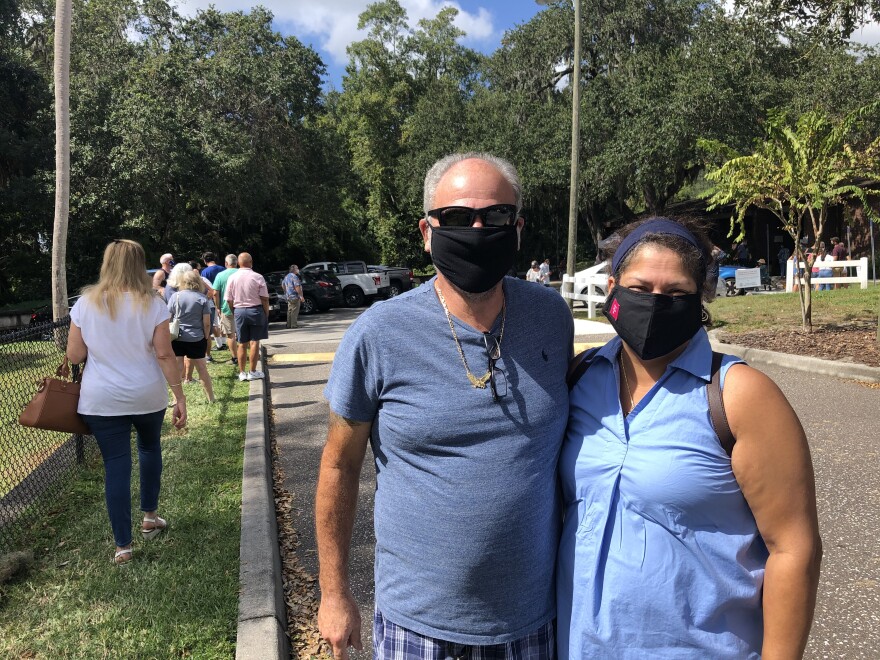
(227, 325)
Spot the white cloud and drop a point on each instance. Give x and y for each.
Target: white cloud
(869, 34)
(333, 23)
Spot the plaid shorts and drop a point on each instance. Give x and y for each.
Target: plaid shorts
(393, 642)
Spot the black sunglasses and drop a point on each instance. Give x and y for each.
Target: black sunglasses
(497, 215)
(497, 381)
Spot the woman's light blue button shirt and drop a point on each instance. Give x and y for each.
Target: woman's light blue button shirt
(660, 555)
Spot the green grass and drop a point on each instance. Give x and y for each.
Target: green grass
(178, 597)
(744, 313)
(841, 307)
(22, 365)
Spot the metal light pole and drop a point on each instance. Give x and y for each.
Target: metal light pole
(575, 150)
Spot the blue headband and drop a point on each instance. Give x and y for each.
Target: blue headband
(655, 226)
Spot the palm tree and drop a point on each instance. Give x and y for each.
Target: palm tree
(63, 10)
(799, 173)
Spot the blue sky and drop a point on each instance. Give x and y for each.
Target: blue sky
(330, 25)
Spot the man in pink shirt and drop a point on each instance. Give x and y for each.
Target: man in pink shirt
(248, 298)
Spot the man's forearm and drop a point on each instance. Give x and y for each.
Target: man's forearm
(335, 505)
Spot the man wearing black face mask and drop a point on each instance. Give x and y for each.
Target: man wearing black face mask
(459, 386)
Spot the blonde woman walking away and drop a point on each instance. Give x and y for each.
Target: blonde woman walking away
(121, 326)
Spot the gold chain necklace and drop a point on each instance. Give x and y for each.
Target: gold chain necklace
(626, 383)
(479, 383)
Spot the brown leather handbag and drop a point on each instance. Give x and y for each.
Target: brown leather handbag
(53, 407)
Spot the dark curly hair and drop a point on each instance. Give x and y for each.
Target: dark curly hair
(698, 263)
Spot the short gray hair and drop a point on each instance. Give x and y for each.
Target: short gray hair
(442, 166)
(231, 261)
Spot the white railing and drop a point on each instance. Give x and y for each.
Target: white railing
(860, 266)
(594, 281)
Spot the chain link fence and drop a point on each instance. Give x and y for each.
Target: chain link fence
(33, 463)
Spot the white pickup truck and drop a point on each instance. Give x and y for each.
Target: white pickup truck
(358, 284)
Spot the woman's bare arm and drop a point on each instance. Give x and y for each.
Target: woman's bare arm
(77, 351)
(771, 461)
(168, 363)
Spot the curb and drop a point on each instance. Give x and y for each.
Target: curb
(262, 620)
(757, 356)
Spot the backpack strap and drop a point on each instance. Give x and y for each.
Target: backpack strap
(716, 406)
(579, 365)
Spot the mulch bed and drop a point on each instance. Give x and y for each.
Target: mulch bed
(851, 343)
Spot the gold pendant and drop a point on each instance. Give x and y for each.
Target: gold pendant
(479, 383)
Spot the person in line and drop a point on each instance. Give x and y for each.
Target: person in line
(248, 298)
(209, 273)
(207, 290)
(534, 273)
(782, 257)
(120, 328)
(166, 263)
(293, 293)
(676, 543)
(190, 306)
(545, 272)
(459, 386)
(172, 284)
(743, 256)
(227, 322)
(713, 272)
(820, 268)
(211, 267)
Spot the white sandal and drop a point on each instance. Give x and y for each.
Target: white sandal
(159, 525)
(118, 557)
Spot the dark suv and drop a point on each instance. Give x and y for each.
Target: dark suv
(321, 290)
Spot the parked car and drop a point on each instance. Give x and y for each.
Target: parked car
(322, 290)
(358, 285)
(44, 314)
(399, 279)
(596, 276)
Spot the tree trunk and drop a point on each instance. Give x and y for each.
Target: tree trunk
(805, 290)
(807, 300)
(63, 11)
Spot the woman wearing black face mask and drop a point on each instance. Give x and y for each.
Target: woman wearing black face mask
(680, 541)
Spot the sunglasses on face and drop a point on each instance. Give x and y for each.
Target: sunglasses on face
(497, 215)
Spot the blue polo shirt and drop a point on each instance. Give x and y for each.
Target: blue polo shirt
(467, 512)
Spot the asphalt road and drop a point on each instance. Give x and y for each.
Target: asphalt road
(840, 418)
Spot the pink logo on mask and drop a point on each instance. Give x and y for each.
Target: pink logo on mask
(615, 310)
